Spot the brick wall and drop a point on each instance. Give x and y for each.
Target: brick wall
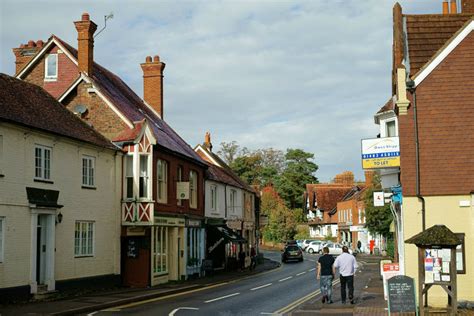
(445, 102)
(67, 74)
(99, 114)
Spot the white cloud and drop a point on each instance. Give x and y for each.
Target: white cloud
(282, 74)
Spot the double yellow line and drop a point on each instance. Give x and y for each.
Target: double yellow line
(302, 300)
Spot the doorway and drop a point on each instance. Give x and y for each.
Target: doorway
(41, 248)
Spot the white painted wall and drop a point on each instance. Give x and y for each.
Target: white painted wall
(219, 212)
(100, 205)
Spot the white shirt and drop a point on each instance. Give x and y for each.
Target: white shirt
(346, 263)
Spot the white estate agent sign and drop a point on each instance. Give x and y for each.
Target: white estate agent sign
(380, 153)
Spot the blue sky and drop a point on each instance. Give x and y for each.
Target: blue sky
(281, 74)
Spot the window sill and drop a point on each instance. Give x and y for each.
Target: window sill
(43, 181)
(88, 188)
(160, 274)
(84, 256)
(50, 79)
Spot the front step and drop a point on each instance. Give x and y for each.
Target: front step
(43, 293)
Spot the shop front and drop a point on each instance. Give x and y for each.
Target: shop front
(223, 246)
(168, 249)
(195, 247)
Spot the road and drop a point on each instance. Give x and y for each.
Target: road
(276, 291)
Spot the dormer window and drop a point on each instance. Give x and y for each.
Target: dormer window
(51, 67)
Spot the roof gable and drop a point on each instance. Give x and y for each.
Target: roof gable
(444, 51)
(24, 103)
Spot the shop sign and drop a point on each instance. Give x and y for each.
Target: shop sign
(169, 221)
(193, 223)
(389, 270)
(233, 224)
(182, 190)
(357, 228)
(136, 231)
(379, 153)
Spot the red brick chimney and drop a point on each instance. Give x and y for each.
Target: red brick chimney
(153, 83)
(207, 141)
(454, 9)
(369, 178)
(25, 53)
(85, 43)
(397, 46)
(467, 6)
(445, 7)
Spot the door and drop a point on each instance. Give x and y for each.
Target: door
(41, 249)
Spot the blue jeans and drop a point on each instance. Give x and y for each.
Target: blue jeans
(325, 284)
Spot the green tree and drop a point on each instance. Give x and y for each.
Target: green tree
(229, 151)
(299, 170)
(281, 221)
(378, 219)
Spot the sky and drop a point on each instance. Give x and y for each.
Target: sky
(281, 74)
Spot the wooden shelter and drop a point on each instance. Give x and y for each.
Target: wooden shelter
(436, 264)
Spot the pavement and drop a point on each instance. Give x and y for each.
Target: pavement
(101, 300)
(368, 294)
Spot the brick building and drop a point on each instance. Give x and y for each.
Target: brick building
(162, 198)
(433, 80)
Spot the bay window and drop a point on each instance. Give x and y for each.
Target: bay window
(143, 184)
(162, 176)
(129, 176)
(193, 178)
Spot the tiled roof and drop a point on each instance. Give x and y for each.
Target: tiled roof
(133, 107)
(228, 171)
(29, 105)
(427, 33)
(389, 106)
(327, 194)
(219, 174)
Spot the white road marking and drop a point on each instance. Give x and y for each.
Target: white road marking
(285, 279)
(260, 287)
(311, 269)
(263, 313)
(301, 273)
(90, 314)
(221, 298)
(177, 309)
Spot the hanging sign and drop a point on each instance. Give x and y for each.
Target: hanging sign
(378, 198)
(380, 153)
(182, 190)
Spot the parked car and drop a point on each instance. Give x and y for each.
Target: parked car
(299, 242)
(291, 252)
(334, 249)
(306, 243)
(315, 246)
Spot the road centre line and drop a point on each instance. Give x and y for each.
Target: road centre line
(290, 277)
(301, 273)
(177, 309)
(311, 269)
(293, 305)
(221, 298)
(260, 287)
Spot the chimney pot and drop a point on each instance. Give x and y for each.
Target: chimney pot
(85, 16)
(156, 59)
(148, 59)
(207, 141)
(85, 48)
(22, 45)
(39, 43)
(445, 7)
(153, 83)
(454, 9)
(31, 43)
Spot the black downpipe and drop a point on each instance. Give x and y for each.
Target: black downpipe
(417, 160)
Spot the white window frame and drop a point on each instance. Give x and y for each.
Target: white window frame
(1, 155)
(43, 164)
(147, 178)
(213, 202)
(88, 171)
(160, 250)
(79, 241)
(179, 175)
(193, 189)
(162, 181)
(232, 199)
(46, 68)
(128, 167)
(2, 238)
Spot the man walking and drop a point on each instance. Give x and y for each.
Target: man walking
(346, 263)
(325, 275)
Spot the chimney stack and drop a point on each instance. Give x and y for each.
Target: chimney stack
(369, 178)
(25, 53)
(207, 141)
(454, 9)
(445, 7)
(467, 6)
(85, 43)
(153, 83)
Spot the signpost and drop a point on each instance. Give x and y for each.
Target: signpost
(401, 295)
